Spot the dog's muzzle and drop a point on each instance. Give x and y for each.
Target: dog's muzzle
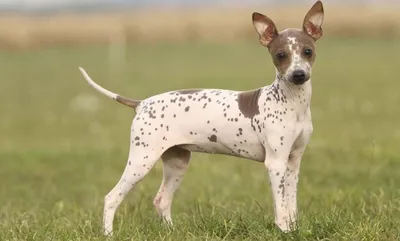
(299, 77)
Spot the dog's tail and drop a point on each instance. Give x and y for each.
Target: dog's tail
(114, 96)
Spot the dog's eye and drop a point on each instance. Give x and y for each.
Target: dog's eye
(308, 52)
(281, 56)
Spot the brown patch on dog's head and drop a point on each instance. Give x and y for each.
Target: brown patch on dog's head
(289, 49)
(248, 103)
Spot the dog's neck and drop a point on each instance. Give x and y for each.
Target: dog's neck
(298, 95)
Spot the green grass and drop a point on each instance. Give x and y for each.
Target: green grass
(59, 156)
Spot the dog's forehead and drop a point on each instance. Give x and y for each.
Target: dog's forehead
(291, 38)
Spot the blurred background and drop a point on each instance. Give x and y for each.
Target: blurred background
(63, 145)
(42, 23)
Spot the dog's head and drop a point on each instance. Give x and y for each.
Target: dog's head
(292, 50)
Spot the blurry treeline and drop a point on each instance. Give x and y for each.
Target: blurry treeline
(19, 31)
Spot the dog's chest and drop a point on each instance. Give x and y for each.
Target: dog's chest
(285, 118)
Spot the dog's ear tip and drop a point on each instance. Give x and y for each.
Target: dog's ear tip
(316, 8)
(319, 4)
(257, 16)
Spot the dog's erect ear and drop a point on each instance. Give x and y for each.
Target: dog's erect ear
(312, 24)
(265, 28)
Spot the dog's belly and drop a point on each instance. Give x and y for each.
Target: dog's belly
(254, 152)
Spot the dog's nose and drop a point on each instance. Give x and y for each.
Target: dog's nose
(299, 76)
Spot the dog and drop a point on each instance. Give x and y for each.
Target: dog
(271, 124)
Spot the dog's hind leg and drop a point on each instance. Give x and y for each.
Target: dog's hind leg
(175, 163)
(140, 162)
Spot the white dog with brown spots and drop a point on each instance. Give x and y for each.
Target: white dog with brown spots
(271, 124)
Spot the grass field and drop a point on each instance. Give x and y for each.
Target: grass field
(63, 146)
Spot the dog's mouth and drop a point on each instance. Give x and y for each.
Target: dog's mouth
(299, 82)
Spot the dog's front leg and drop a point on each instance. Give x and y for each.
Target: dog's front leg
(291, 180)
(276, 164)
(293, 171)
